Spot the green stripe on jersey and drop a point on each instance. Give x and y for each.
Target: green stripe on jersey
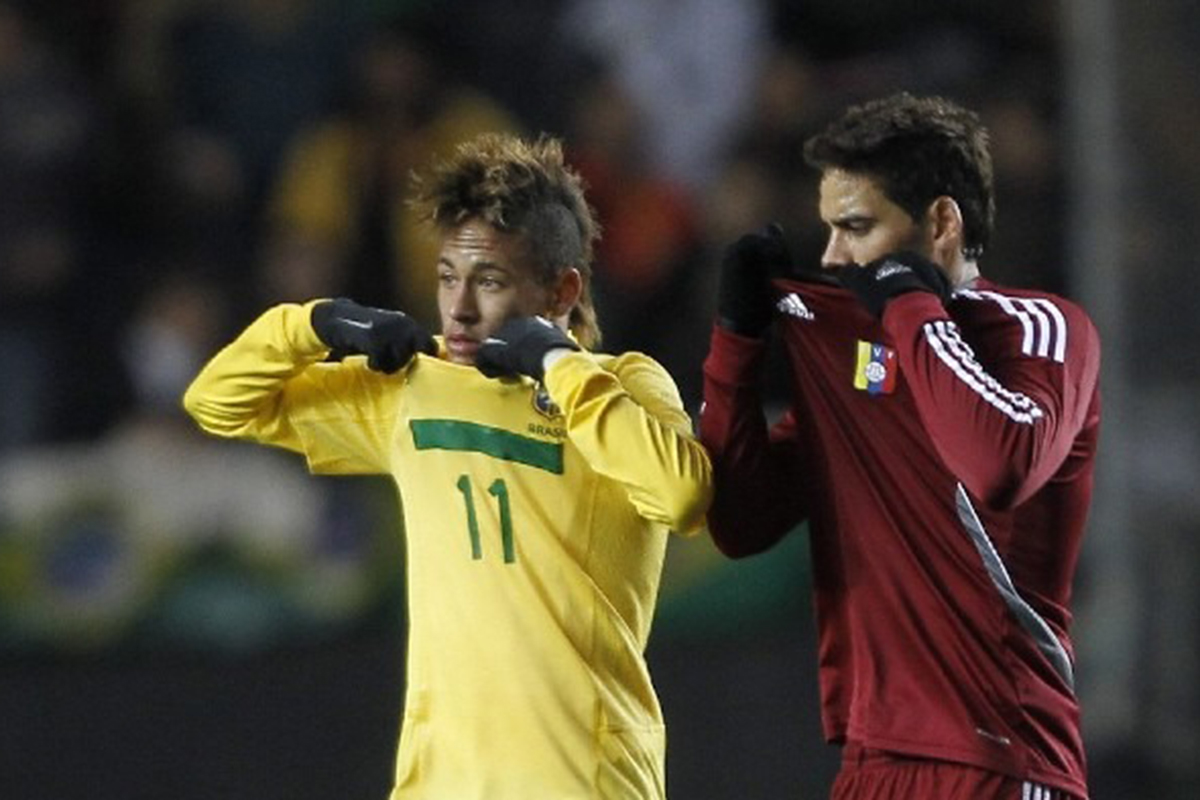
(471, 437)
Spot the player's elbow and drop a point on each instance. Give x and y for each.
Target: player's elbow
(194, 405)
(736, 548)
(1018, 468)
(730, 547)
(687, 492)
(743, 522)
(736, 540)
(1002, 489)
(688, 506)
(207, 413)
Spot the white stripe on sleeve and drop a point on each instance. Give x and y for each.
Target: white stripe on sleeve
(1043, 326)
(956, 354)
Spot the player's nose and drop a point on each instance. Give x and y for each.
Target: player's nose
(836, 253)
(463, 307)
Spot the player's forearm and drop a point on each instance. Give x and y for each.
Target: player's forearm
(753, 504)
(639, 438)
(236, 393)
(747, 516)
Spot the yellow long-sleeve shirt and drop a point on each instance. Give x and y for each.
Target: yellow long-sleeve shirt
(536, 523)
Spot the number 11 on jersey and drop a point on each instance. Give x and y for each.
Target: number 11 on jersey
(498, 490)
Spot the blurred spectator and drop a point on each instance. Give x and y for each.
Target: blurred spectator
(688, 65)
(154, 536)
(515, 51)
(1030, 192)
(338, 222)
(179, 322)
(190, 205)
(646, 256)
(758, 179)
(46, 128)
(789, 99)
(249, 73)
(204, 96)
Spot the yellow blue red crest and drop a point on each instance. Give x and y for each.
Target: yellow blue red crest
(876, 368)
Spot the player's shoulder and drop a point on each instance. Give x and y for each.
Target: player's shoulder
(628, 361)
(630, 368)
(1047, 324)
(1022, 302)
(642, 376)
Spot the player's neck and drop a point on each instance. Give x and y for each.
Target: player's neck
(963, 273)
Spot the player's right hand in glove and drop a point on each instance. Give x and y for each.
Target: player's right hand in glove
(520, 346)
(389, 339)
(744, 301)
(895, 274)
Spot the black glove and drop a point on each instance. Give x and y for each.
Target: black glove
(894, 274)
(519, 347)
(744, 301)
(388, 339)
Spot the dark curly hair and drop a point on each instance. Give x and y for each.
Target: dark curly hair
(526, 188)
(917, 149)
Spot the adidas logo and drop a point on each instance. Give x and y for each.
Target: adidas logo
(890, 268)
(793, 305)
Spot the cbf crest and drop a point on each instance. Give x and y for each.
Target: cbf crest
(544, 405)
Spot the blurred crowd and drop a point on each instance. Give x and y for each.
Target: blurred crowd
(169, 168)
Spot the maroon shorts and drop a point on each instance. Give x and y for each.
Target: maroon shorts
(868, 774)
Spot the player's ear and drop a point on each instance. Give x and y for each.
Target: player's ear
(565, 292)
(946, 221)
(945, 228)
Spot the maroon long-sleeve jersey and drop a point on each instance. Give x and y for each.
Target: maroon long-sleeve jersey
(943, 458)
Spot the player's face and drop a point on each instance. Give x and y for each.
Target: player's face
(484, 279)
(864, 224)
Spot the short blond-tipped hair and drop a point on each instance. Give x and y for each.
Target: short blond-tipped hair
(524, 188)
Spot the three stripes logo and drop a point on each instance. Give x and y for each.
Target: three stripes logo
(792, 305)
(948, 345)
(1043, 335)
(1043, 326)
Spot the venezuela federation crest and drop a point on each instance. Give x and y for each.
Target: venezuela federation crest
(876, 368)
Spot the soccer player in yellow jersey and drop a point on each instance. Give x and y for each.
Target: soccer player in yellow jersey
(539, 481)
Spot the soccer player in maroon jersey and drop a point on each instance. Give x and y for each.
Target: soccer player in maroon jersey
(939, 440)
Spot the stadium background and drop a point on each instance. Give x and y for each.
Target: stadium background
(191, 619)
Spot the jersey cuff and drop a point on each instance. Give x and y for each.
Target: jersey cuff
(298, 324)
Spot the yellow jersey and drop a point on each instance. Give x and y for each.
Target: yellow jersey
(536, 520)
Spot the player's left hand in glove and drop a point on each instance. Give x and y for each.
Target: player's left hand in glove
(520, 346)
(896, 273)
(389, 339)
